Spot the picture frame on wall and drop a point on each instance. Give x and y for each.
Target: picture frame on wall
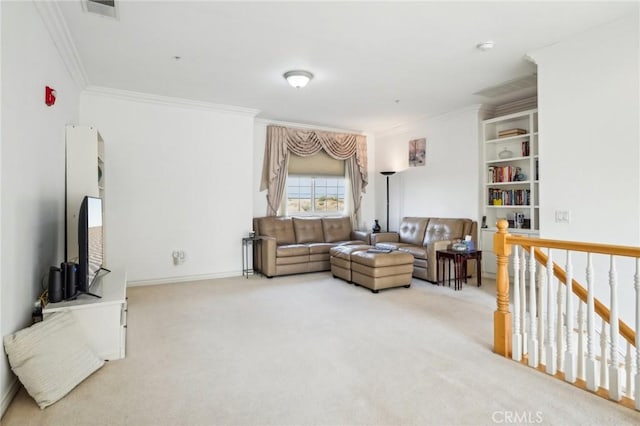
(417, 152)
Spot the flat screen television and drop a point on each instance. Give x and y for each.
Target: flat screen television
(90, 248)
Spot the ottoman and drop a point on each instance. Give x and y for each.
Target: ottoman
(377, 271)
(341, 259)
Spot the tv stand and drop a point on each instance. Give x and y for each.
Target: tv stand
(102, 315)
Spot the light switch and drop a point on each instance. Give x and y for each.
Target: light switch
(563, 216)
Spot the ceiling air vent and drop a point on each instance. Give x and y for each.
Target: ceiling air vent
(101, 7)
(510, 86)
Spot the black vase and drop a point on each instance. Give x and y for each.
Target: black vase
(376, 227)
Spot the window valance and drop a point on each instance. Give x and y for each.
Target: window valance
(305, 142)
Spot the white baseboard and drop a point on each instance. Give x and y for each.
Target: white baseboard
(187, 278)
(8, 396)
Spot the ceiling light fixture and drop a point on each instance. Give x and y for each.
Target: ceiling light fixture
(487, 45)
(298, 78)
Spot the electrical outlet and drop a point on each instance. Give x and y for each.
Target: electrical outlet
(178, 257)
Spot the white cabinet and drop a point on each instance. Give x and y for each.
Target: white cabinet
(84, 155)
(510, 178)
(103, 320)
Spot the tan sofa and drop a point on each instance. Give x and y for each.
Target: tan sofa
(423, 236)
(293, 245)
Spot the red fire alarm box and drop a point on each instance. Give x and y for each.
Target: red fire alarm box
(49, 96)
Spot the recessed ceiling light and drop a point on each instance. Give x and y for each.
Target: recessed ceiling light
(177, 58)
(298, 78)
(484, 46)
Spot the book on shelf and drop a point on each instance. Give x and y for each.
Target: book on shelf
(525, 148)
(511, 132)
(509, 197)
(497, 174)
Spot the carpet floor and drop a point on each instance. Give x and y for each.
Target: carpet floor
(313, 350)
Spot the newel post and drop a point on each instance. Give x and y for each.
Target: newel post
(502, 316)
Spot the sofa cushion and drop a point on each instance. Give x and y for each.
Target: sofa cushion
(350, 243)
(439, 229)
(412, 230)
(293, 260)
(280, 228)
(308, 230)
(336, 229)
(316, 248)
(292, 250)
(418, 252)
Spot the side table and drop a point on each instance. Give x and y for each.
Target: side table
(247, 261)
(460, 259)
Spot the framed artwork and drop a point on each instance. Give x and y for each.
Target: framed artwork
(417, 152)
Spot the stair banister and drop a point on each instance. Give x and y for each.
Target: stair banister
(572, 364)
(502, 316)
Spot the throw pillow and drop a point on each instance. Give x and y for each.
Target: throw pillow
(51, 357)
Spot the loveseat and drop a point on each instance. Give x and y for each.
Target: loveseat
(422, 237)
(293, 245)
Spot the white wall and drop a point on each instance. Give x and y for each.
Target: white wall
(589, 123)
(589, 133)
(177, 177)
(259, 198)
(32, 184)
(447, 185)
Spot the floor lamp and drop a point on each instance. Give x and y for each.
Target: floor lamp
(387, 174)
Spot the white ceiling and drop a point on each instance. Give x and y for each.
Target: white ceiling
(376, 65)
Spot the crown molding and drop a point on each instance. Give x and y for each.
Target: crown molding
(56, 25)
(149, 98)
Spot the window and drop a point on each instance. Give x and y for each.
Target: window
(315, 194)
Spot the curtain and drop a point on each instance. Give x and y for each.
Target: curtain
(281, 141)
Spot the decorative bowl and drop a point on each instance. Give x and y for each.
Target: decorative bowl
(504, 154)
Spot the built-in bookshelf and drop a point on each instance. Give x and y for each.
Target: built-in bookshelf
(510, 188)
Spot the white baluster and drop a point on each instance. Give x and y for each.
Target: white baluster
(516, 344)
(540, 281)
(615, 373)
(604, 371)
(628, 366)
(560, 327)
(551, 365)
(569, 356)
(523, 300)
(533, 335)
(636, 285)
(580, 372)
(592, 364)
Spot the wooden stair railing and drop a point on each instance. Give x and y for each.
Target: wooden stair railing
(503, 344)
(599, 307)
